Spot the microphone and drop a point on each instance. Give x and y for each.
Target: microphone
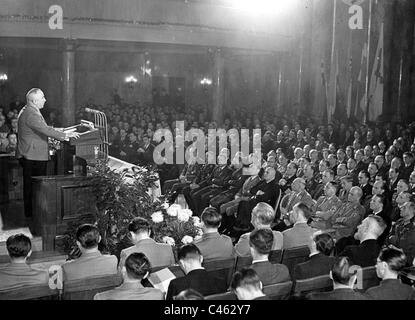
(89, 110)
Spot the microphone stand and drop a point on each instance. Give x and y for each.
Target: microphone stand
(100, 120)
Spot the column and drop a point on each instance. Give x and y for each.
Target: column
(68, 83)
(218, 86)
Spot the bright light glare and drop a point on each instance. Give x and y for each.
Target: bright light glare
(3, 77)
(206, 81)
(261, 6)
(131, 79)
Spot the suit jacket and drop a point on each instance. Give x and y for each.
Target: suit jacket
(147, 156)
(316, 265)
(299, 235)
(215, 246)
(198, 280)
(33, 135)
(221, 175)
(15, 275)
(242, 247)
(391, 289)
(89, 265)
(159, 254)
(131, 291)
(364, 254)
(271, 192)
(270, 273)
(337, 294)
(367, 190)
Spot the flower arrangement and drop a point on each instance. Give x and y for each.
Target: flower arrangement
(175, 225)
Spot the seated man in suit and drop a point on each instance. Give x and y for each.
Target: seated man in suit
(320, 260)
(366, 252)
(137, 267)
(18, 273)
(91, 262)
(159, 254)
(213, 245)
(145, 153)
(326, 206)
(262, 217)
(260, 242)
(247, 285)
(388, 265)
(196, 277)
(301, 233)
(268, 191)
(343, 282)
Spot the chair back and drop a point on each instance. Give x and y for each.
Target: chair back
(278, 291)
(315, 284)
(86, 288)
(242, 262)
(275, 256)
(221, 270)
(34, 292)
(222, 296)
(293, 256)
(366, 278)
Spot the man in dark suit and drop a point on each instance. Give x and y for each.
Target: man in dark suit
(145, 153)
(18, 273)
(389, 263)
(32, 145)
(247, 285)
(266, 191)
(343, 282)
(320, 260)
(261, 242)
(377, 208)
(363, 178)
(196, 277)
(366, 252)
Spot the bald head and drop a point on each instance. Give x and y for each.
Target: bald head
(35, 98)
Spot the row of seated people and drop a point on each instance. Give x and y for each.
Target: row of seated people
(146, 252)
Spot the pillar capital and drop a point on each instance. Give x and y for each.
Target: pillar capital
(69, 44)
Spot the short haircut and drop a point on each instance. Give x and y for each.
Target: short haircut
(189, 294)
(324, 243)
(261, 240)
(138, 225)
(137, 265)
(189, 251)
(30, 93)
(330, 171)
(382, 198)
(264, 213)
(18, 245)
(365, 173)
(394, 257)
(88, 236)
(211, 217)
(304, 209)
(380, 224)
(340, 270)
(246, 278)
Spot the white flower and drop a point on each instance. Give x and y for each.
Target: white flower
(196, 221)
(187, 239)
(169, 240)
(183, 216)
(165, 206)
(198, 237)
(173, 210)
(157, 217)
(188, 212)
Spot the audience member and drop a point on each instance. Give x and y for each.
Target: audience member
(247, 285)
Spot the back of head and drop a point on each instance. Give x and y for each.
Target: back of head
(340, 271)
(246, 278)
(189, 252)
(137, 265)
(303, 210)
(324, 243)
(189, 294)
(261, 240)
(18, 246)
(263, 214)
(211, 217)
(138, 225)
(88, 236)
(394, 257)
